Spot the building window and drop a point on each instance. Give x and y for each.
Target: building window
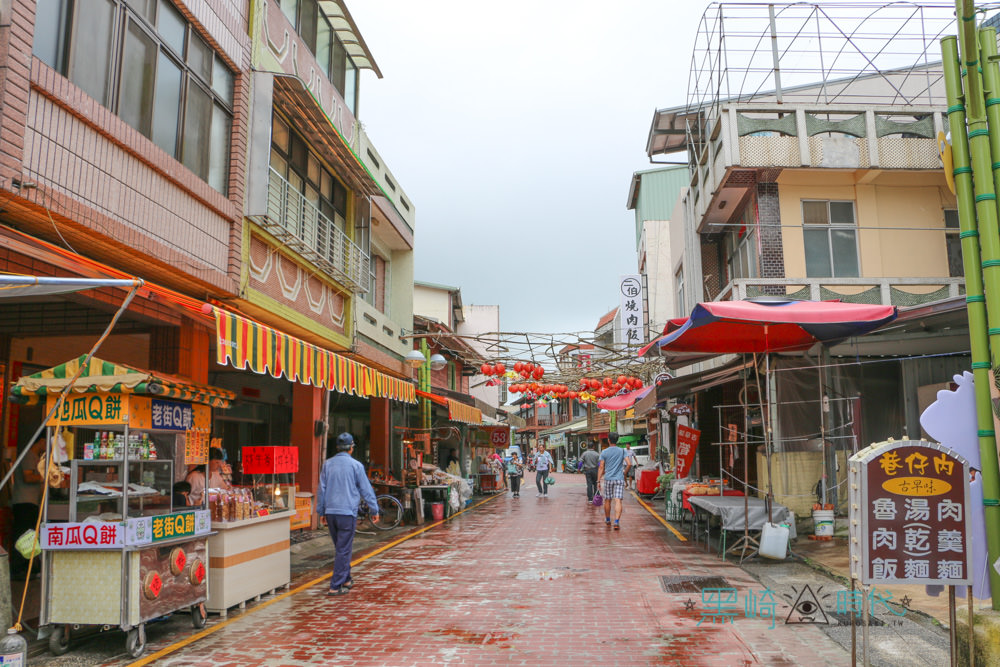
(145, 62)
(294, 162)
(740, 247)
(956, 269)
(378, 281)
(452, 375)
(681, 309)
(830, 236)
(317, 32)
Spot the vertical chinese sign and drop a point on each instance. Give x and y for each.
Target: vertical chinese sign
(687, 445)
(630, 310)
(909, 519)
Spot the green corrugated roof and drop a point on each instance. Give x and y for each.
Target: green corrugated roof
(654, 194)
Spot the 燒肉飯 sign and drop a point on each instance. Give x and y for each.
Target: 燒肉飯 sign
(909, 519)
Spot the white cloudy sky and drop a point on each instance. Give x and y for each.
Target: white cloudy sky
(514, 128)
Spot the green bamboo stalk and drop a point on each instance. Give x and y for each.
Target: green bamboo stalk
(976, 195)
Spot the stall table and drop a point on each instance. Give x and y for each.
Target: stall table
(686, 497)
(247, 558)
(730, 511)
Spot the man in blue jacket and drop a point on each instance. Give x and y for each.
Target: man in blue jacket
(342, 485)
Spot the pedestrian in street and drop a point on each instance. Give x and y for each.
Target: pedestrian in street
(591, 461)
(515, 469)
(632, 462)
(543, 464)
(342, 486)
(612, 470)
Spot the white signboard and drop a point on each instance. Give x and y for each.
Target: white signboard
(87, 535)
(630, 310)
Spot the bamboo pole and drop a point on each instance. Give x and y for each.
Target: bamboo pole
(977, 213)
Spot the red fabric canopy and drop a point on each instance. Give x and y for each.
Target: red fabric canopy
(722, 327)
(624, 401)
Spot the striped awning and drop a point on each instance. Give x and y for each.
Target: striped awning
(457, 411)
(106, 377)
(245, 344)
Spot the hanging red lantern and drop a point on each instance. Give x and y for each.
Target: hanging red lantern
(608, 382)
(594, 384)
(500, 369)
(486, 369)
(518, 366)
(573, 394)
(537, 373)
(622, 379)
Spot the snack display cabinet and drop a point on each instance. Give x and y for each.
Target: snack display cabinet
(116, 552)
(251, 530)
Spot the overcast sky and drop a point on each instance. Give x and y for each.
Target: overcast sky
(514, 129)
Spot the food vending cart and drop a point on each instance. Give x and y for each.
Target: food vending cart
(116, 550)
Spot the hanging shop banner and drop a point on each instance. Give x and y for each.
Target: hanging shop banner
(196, 447)
(89, 410)
(909, 517)
(687, 445)
(630, 310)
(156, 414)
(499, 436)
(270, 460)
(246, 344)
(89, 535)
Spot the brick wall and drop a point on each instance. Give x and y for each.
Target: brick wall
(772, 259)
(108, 180)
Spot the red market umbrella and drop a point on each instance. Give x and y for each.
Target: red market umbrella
(765, 326)
(779, 325)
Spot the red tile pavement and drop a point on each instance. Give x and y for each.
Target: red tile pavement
(527, 581)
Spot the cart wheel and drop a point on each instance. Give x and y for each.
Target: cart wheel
(198, 616)
(135, 643)
(59, 640)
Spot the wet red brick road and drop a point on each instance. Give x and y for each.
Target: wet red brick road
(526, 581)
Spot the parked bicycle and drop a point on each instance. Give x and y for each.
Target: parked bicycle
(390, 512)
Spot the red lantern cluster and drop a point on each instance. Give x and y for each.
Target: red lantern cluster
(536, 389)
(528, 370)
(493, 369)
(609, 386)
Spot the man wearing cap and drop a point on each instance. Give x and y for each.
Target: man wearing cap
(342, 485)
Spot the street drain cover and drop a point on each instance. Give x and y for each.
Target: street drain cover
(691, 584)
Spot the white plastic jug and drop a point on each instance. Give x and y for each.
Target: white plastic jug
(773, 541)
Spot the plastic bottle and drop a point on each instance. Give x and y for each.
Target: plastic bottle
(13, 649)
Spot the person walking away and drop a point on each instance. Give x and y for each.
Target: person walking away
(342, 486)
(632, 462)
(514, 471)
(25, 505)
(591, 461)
(611, 471)
(543, 464)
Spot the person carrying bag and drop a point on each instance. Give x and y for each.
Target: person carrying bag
(543, 464)
(515, 469)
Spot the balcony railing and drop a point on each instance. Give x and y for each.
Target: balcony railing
(300, 225)
(884, 291)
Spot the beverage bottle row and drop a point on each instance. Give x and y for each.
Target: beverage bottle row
(110, 446)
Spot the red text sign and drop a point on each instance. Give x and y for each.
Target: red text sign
(270, 460)
(687, 445)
